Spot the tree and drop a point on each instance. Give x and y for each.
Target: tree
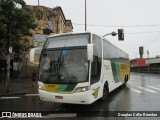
(15, 26)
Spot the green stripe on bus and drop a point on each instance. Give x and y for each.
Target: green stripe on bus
(116, 71)
(61, 88)
(70, 87)
(65, 88)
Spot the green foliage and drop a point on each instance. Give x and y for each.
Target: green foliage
(15, 25)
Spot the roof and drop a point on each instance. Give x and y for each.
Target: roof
(66, 21)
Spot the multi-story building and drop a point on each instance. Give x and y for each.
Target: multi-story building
(49, 22)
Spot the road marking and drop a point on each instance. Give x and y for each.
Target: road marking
(153, 87)
(138, 91)
(152, 91)
(9, 97)
(31, 94)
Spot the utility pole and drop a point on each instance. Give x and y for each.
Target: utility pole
(85, 16)
(9, 51)
(38, 2)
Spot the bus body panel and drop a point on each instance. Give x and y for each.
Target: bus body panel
(75, 98)
(108, 73)
(97, 91)
(87, 97)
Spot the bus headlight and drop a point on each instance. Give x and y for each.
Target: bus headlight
(41, 87)
(81, 89)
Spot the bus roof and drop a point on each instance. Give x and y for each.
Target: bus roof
(69, 33)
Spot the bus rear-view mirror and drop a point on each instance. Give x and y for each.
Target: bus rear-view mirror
(90, 52)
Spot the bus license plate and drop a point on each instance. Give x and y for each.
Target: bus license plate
(59, 97)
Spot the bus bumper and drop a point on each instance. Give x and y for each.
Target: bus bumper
(74, 98)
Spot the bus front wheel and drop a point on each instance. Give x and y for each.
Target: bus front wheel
(105, 92)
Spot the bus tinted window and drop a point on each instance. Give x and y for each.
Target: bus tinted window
(113, 53)
(67, 41)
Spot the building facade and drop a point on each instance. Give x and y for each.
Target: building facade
(151, 65)
(49, 22)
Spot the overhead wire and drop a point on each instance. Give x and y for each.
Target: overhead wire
(151, 25)
(143, 32)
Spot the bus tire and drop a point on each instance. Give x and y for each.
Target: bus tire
(105, 92)
(125, 81)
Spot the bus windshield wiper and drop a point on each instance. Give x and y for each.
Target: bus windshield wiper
(63, 68)
(66, 73)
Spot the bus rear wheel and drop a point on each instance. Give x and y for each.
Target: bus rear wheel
(125, 81)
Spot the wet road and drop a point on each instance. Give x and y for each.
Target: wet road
(142, 94)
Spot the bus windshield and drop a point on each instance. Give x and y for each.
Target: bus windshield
(63, 66)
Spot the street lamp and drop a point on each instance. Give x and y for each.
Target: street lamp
(112, 33)
(120, 34)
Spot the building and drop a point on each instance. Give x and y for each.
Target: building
(49, 22)
(151, 65)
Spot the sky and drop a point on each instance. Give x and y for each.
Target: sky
(140, 20)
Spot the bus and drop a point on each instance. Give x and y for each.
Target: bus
(80, 68)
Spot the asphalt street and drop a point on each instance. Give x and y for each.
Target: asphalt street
(142, 95)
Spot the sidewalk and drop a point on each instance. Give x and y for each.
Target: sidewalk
(18, 86)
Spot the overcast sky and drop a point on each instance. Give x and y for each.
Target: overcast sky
(140, 20)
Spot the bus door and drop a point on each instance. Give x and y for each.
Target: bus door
(95, 82)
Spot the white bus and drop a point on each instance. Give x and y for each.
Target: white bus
(80, 68)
